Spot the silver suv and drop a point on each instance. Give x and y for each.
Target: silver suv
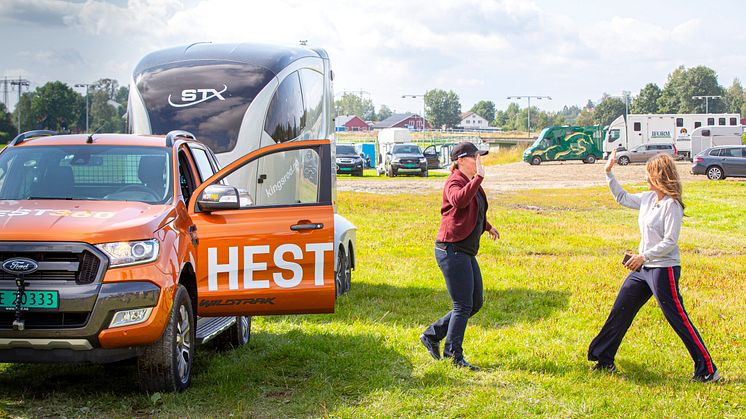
(643, 152)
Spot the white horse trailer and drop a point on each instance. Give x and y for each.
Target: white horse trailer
(706, 137)
(662, 128)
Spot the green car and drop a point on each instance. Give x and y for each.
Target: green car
(559, 143)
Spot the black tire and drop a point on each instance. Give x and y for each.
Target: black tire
(535, 161)
(236, 336)
(343, 274)
(360, 173)
(715, 173)
(394, 172)
(166, 365)
(623, 161)
(423, 173)
(590, 159)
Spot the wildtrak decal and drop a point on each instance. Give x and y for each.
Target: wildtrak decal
(237, 302)
(21, 212)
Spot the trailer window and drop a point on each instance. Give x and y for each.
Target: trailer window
(697, 124)
(721, 121)
(679, 122)
(637, 126)
(733, 121)
(710, 121)
(285, 115)
(312, 84)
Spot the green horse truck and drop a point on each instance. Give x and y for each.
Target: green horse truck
(559, 143)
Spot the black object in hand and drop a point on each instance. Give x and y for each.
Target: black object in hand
(627, 257)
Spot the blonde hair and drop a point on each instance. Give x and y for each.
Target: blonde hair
(662, 174)
(454, 166)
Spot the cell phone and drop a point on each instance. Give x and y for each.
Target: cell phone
(627, 257)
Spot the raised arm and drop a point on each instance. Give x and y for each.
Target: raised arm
(622, 197)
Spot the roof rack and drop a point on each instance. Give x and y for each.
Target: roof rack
(171, 136)
(30, 134)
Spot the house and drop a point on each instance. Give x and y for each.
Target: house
(471, 120)
(408, 120)
(350, 123)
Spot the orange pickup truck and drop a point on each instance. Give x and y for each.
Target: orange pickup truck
(117, 246)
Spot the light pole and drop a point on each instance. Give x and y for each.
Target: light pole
(86, 85)
(625, 96)
(423, 113)
(707, 99)
(529, 107)
(21, 83)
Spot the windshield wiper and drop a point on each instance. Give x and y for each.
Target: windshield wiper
(68, 198)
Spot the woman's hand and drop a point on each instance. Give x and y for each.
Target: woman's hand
(493, 233)
(635, 262)
(480, 168)
(610, 162)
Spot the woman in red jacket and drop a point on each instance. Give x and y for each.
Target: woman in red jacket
(464, 219)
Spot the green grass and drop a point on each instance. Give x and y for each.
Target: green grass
(549, 283)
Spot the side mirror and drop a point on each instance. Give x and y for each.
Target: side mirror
(218, 198)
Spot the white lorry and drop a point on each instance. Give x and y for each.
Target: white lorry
(664, 128)
(706, 137)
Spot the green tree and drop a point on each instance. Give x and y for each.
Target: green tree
(110, 86)
(585, 117)
(647, 100)
(57, 107)
(485, 109)
(383, 113)
(28, 120)
(682, 85)
(734, 98)
(608, 110)
(7, 126)
(352, 104)
(104, 116)
(442, 109)
(568, 115)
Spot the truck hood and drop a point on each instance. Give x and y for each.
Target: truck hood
(408, 156)
(80, 221)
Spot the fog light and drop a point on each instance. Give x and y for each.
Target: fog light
(130, 317)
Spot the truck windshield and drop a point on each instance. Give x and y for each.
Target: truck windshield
(91, 172)
(614, 135)
(345, 149)
(407, 149)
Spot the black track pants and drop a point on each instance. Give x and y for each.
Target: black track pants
(636, 290)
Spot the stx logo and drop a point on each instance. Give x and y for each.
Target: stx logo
(191, 97)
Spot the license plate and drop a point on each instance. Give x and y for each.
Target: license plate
(410, 165)
(345, 169)
(30, 299)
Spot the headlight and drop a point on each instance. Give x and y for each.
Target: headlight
(423, 160)
(130, 253)
(396, 160)
(339, 160)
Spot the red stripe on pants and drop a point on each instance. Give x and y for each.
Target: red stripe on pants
(688, 325)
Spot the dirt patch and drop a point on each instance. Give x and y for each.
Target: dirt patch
(515, 176)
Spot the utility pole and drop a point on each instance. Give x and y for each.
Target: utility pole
(423, 113)
(529, 107)
(5, 83)
(21, 83)
(707, 99)
(87, 86)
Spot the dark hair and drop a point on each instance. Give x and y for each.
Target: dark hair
(454, 166)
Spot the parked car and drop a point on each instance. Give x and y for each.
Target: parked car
(720, 162)
(349, 160)
(405, 158)
(644, 152)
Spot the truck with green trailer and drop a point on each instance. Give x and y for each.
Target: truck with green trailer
(559, 143)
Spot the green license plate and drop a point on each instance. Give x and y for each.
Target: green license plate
(345, 168)
(30, 299)
(410, 165)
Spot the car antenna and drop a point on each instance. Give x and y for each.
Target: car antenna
(90, 136)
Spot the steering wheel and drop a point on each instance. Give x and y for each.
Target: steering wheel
(138, 188)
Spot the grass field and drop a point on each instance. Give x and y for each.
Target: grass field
(549, 283)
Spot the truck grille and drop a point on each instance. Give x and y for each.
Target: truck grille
(409, 161)
(41, 320)
(64, 262)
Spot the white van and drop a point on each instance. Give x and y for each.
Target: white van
(711, 136)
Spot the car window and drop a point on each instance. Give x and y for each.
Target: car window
(407, 149)
(286, 113)
(345, 149)
(715, 152)
(312, 83)
(735, 152)
(204, 167)
(641, 148)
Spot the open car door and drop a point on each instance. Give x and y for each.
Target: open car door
(264, 231)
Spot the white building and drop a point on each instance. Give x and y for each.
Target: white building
(470, 120)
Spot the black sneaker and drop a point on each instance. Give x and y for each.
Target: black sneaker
(709, 378)
(461, 363)
(432, 347)
(607, 368)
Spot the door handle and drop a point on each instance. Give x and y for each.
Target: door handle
(307, 226)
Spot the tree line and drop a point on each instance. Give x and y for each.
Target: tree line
(58, 107)
(443, 108)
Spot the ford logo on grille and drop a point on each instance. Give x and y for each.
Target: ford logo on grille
(20, 266)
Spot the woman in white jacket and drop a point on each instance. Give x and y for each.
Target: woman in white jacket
(655, 271)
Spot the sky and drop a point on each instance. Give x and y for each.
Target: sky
(569, 50)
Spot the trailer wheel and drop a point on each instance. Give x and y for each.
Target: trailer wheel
(535, 160)
(590, 159)
(623, 161)
(715, 173)
(236, 336)
(166, 365)
(343, 274)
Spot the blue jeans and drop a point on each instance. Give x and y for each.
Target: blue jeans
(464, 282)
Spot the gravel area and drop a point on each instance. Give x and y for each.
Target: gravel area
(512, 177)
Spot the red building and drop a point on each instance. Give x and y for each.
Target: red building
(403, 120)
(350, 123)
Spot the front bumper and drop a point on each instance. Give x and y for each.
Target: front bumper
(349, 167)
(409, 167)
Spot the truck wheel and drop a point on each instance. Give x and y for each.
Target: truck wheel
(389, 173)
(166, 365)
(394, 172)
(535, 160)
(343, 274)
(623, 161)
(590, 159)
(715, 173)
(236, 336)
(423, 173)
